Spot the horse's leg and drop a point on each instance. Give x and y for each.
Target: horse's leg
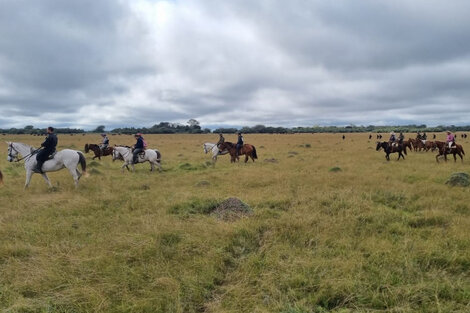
(246, 157)
(122, 167)
(455, 157)
(73, 172)
(152, 167)
(46, 179)
(29, 173)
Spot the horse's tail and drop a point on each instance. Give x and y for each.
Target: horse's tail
(159, 155)
(404, 149)
(82, 160)
(255, 156)
(87, 148)
(461, 148)
(1, 178)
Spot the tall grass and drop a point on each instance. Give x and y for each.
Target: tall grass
(374, 236)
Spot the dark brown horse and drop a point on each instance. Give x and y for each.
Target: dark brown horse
(98, 152)
(391, 149)
(444, 150)
(247, 150)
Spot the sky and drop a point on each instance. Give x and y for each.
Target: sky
(234, 63)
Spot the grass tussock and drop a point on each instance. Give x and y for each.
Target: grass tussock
(377, 237)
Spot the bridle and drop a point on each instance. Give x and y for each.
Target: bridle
(12, 157)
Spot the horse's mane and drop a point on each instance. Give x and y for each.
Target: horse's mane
(122, 146)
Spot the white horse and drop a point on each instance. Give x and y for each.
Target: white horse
(154, 157)
(65, 158)
(209, 146)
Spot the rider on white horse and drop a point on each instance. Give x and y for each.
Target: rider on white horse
(49, 146)
(221, 141)
(138, 147)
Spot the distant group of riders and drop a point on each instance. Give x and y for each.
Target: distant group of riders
(398, 144)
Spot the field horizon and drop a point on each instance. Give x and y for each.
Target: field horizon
(334, 228)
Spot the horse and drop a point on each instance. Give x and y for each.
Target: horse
(444, 150)
(391, 149)
(247, 150)
(97, 150)
(209, 146)
(66, 158)
(408, 144)
(152, 156)
(418, 144)
(429, 145)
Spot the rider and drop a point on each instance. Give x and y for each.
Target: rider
(401, 137)
(419, 136)
(239, 143)
(450, 139)
(138, 147)
(221, 140)
(49, 146)
(392, 139)
(105, 143)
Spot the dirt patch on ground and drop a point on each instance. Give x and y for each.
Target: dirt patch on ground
(232, 209)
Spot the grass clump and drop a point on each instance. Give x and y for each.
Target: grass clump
(195, 206)
(459, 179)
(335, 169)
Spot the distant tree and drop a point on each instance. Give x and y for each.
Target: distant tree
(99, 129)
(192, 123)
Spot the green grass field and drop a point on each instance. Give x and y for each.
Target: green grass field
(335, 228)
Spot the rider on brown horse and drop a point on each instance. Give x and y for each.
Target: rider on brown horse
(450, 140)
(104, 143)
(239, 143)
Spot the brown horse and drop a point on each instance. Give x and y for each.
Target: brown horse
(417, 144)
(444, 150)
(98, 152)
(429, 145)
(247, 150)
(408, 144)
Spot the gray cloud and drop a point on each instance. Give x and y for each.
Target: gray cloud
(122, 63)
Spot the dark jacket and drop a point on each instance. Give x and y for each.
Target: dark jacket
(240, 140)
(106, 140)
(50, 143)
(139, 144)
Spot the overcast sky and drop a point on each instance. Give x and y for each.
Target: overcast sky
(282, 63)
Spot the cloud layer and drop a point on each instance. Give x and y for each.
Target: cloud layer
(136, 63)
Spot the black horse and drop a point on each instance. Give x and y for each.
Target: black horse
(392, 149)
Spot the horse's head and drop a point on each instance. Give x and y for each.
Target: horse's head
(205, 148)
(87, 148)
(116, 154)
(12, 152)
(379, 145)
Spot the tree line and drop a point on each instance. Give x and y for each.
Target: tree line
(193, 127)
